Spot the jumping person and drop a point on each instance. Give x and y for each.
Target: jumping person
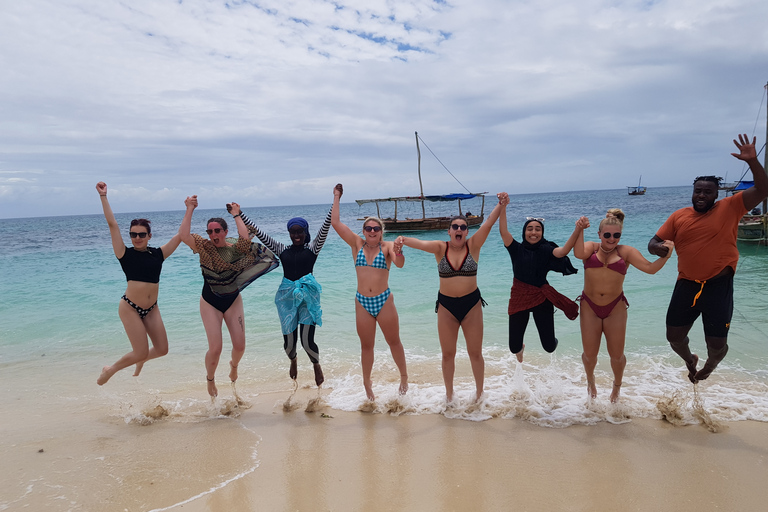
(374, 302)
(603, 304)
(532, 259)
(705, 240)
(228, 265)
(459, 304)
(138, 308)
(298, 297)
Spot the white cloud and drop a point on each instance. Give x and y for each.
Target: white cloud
(273, 102)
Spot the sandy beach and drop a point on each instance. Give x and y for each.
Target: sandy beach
(264, 457)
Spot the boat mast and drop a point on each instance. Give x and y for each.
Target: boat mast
(765, 150)
(421, 187)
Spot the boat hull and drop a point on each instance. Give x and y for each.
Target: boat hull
(753, 229)
(426, 224)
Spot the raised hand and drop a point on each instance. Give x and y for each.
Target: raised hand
(582, 223)
(191, 201)
(101, 187)
(338, 190)
(746, 148)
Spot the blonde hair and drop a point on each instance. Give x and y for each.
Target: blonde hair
(613, 217)
(377, 221)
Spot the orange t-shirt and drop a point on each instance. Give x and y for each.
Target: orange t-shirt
(705, 242)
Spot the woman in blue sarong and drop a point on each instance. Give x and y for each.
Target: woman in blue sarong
(298, 296)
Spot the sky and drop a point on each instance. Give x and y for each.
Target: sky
(273, 102)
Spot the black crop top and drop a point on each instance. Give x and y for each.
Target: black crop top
(144, 266)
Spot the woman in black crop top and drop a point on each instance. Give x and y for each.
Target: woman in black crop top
(138, 308)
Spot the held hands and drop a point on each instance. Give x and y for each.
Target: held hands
(503, 198)
(670, 245)
(582, 223)
(338, 190)
(101, 187)
(399, 242)
(191, 202)
(233, 208)
(746, 149)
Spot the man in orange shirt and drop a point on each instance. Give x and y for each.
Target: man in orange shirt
(705, 241)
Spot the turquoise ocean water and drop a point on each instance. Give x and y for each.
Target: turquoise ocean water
(59, 325)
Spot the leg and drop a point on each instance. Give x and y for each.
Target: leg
(389, 323)
(517, 325)
(153, 322)
(716, 350)
(472, 326)
(678, 340)
(313, 352)
(137, 335)
(212, 319)
(366, 331)
(591, 334)
(448, 332)
(544, 316)
(235, 320)
(615, 328)
(289, 345)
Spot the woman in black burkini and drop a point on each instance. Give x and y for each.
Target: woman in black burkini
(532, 259)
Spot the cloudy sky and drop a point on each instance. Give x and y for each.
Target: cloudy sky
(273, 102)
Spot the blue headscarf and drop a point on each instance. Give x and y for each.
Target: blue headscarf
(298, 221)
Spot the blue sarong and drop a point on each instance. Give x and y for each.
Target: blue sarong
(298, 302)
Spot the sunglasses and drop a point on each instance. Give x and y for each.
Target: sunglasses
(459, 227)
(135, 234)
(615, 235)
(214, 230)
(537, 219)
(375, 229)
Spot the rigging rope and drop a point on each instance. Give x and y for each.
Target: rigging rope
(441, 163)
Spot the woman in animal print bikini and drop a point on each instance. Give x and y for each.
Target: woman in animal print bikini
(375, 303)
(603, 304)
(459, 304)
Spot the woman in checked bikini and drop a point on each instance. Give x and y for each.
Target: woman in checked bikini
(603, 304)
(374, 302)
(459, 304)
(138, 310)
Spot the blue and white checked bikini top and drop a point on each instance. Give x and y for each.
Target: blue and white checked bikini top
(378, 262)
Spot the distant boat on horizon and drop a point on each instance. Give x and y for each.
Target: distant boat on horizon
(638, 190)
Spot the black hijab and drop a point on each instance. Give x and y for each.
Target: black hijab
(532, 263)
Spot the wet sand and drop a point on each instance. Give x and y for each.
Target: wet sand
(266, 458)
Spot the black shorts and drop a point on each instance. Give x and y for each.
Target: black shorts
(714, 304)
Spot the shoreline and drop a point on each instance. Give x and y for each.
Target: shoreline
(262, 456)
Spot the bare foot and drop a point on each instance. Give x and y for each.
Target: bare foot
(106, 374)
(212, 388)
(519, 355)
(615, 392)
(692, 368)
(294, 371)
(139, 366)
(369, 391)
(232, 372)
(705, 372)
(403, 389)
(591, 389)
(319, 378)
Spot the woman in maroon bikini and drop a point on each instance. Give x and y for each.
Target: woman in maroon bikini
(603, 304)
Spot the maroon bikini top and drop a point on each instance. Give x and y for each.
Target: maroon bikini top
(617, 266)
